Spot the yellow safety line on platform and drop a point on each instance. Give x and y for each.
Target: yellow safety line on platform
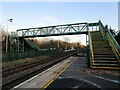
(107, 67)
(57, 76)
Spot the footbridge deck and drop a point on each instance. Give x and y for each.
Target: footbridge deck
(101, 43)
(67, 29)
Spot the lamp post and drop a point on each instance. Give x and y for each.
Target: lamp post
(9, 20)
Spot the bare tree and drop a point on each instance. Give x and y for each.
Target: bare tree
(66, 41)
(2, 38)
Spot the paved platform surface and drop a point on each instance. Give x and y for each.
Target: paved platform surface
(78, 75)
(73, 73)
(40, 80)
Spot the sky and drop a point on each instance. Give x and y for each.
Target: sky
(38, 14)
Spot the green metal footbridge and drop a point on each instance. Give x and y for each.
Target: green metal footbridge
(104, 51)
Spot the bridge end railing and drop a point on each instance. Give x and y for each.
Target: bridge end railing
(91, 54)
(107, 35)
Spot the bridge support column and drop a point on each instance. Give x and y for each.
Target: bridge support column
(17, 45)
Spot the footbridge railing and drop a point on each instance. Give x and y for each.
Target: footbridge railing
(67, 29)
(90, 47)
(108, 36)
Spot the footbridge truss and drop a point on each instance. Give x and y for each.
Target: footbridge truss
(98, 37)
(17, 38)
(67, 29)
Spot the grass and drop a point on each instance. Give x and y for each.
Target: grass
(10, 64)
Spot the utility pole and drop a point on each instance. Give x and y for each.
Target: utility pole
(7, 35)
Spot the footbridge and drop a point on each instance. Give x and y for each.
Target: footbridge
(103, 49)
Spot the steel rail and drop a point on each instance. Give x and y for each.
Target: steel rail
(9, 84)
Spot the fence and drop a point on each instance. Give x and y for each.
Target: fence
(31, 54)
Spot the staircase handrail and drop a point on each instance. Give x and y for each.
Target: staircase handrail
(36, 46)
(91, 54)
(29, 42)
(113, 43)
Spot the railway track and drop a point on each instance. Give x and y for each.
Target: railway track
(43, 65)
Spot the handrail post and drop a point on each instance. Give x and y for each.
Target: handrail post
(90, 47)
(111, 40)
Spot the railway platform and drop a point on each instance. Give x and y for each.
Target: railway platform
(73, 72)
(79, 75)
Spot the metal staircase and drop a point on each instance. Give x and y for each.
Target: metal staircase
(104, 50)
(103, 55)
(33, 44)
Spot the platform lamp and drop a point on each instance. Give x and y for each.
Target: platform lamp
(9, 20)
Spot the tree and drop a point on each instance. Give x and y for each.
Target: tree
(112, 31)
(117, 37)
(66, 41)
(3, 38)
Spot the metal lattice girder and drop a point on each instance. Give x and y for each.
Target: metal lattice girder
(67, 29)
(17, 45)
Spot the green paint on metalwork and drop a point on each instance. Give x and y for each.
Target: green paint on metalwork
(66, 29)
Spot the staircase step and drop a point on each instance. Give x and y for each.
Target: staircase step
(96, 36)
(99, 43)
(116, 68)
(95, 33)
(101, 64)
(102, 41)
(104, 61)
(101, 46)
(102, 49)
(97, 39)
(105, 56)
(104, 53)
